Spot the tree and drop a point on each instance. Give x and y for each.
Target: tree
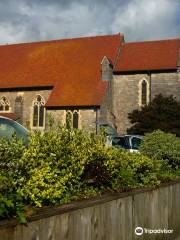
(161, 113)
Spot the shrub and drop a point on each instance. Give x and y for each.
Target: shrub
(10, 178)
(62, 164)
(65, 164)
(161, 113)
(162, 146)
(54, 163)
(132, 170)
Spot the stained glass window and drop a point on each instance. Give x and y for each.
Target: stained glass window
(4, 104)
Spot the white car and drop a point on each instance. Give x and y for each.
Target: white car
(129, 142)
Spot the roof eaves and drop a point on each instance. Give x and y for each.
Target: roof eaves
(116, 72)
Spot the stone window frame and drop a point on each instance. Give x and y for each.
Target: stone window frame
(140, 92)
(72, 114)
(7, 104)
(32, 113)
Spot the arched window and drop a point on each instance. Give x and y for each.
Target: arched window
(18, 108)
(143, 92)
(68, 119)
(72, 119)
(38, 112)
(4, 105)
(75, 119)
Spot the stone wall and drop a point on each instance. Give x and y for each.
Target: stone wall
(87, 117)
(126, 92)
(166, 83)
(28, 97)
(106, 112)
(125, 98)
(59, 116)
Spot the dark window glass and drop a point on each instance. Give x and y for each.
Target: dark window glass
(136, 142)
(19, 108)
(144, 93)
(6, 108)
(35, 116)
(1, 107)
(75, 120)
(41, 116)
(120, 141)
(39, 98)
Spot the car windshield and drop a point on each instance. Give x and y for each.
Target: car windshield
(9, 127)
(136, 142)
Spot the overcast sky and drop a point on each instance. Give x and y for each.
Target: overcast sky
(35, 20)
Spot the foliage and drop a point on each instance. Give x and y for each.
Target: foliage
(66, 164)
(53, 164)
(10, 178)
(132, 170)
(162, 113)
(162, 146)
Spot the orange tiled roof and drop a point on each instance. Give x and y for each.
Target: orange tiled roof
(71, 66)
(150, 55)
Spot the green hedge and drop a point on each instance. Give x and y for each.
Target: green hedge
(162, 146)
(11, 178)
(66, 164)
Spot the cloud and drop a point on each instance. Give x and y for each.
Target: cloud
(26, 21)
(144, 19)
(41, 20)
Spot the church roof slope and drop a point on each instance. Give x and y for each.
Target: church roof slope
(71, 66)
(150, 55)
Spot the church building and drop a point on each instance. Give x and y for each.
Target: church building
(87, 80)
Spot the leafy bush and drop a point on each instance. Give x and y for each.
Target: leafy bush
(61, 164)
(162, 146)
(10, 178)
(132, 170)
(66, 164)
(161, 113)
(54, 163)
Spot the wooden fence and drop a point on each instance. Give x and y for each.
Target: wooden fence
(110, 217)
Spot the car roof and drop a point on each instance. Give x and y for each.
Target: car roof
(14, 121)
(6, 118)
(129, 135)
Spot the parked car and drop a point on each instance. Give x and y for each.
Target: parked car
(129, 142)
(8, 127)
